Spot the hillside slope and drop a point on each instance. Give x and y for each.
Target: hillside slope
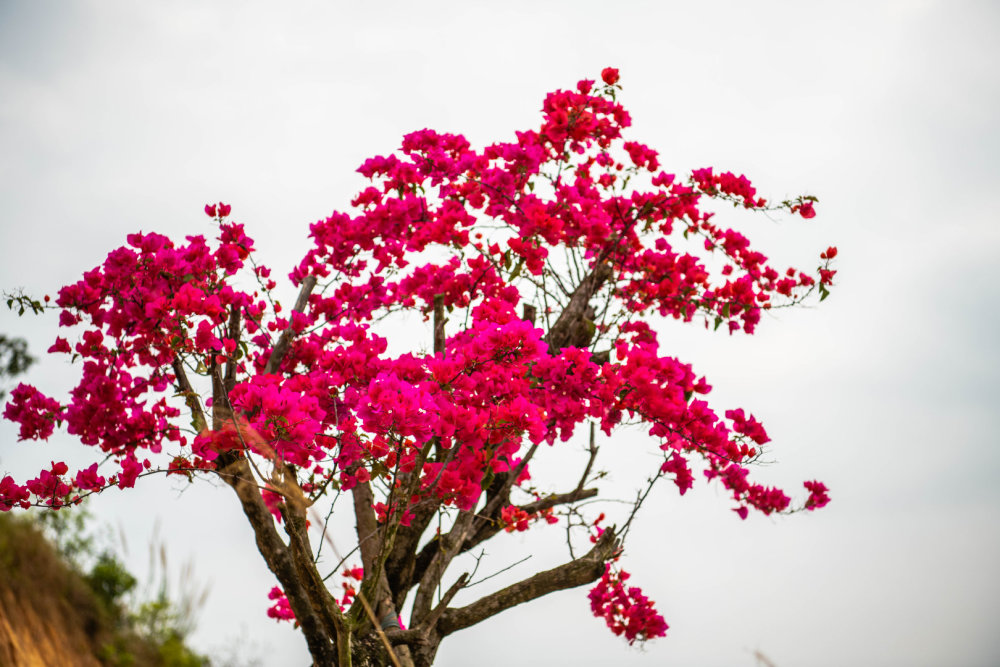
(51, 614)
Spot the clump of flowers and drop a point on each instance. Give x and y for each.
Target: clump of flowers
(626, 610)
(281, 610)
(544, 260)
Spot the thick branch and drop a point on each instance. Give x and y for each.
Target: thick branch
(402, 562)
(488, 530)
(279, 560)
(409, 637)
(221, 409)
(402, 559)
(561, 332)
(399, 562)
(376, 583)
(575, 573)
(375, 586)
(190, 396)
(366, 524)
(322, 602)
(233, 333)
(528, 313)
(439, 321)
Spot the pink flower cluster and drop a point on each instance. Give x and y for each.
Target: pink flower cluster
(483, 233)
(36, 413)
(350, 575)
(818, 496)
(281, 610)
(149, 304)
(515, 518)
(626, 610)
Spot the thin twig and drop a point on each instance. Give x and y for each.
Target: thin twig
(499, 572)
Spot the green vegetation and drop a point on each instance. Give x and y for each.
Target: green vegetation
(64, 601)
(14, 360)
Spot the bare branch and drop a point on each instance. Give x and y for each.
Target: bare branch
(551, 501)
(402, 562)
(575, 573)
(639, 500)
(592, 448)
(403, 556)
(281, 347)
(498, 572)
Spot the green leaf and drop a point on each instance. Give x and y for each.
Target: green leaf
(379, 469)
(517, 270)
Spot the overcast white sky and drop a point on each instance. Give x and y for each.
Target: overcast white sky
(120, 116)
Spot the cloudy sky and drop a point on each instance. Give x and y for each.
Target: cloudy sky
(121, 116)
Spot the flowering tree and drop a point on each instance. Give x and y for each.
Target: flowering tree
(540, 263)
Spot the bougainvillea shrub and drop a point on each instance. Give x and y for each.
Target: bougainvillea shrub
(541, 263)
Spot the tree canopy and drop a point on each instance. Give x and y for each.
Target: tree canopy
(541, 263)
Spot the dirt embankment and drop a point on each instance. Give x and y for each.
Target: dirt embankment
(48, 614)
